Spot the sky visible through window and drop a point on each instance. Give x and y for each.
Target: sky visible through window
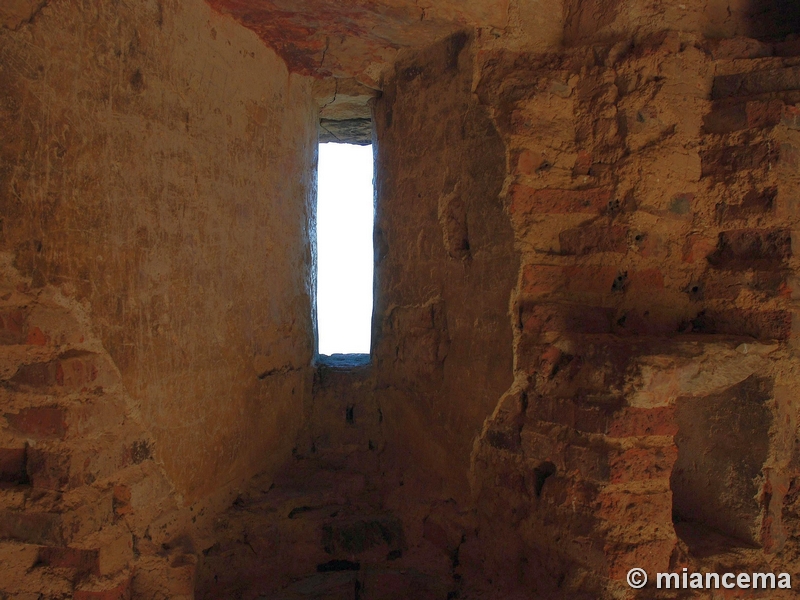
(345, 217)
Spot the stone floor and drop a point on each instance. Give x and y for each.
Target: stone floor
(319, 532)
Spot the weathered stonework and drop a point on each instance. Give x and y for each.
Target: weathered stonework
(199, 287)
(585, 325)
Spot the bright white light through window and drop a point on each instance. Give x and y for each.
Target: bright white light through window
(345, 218)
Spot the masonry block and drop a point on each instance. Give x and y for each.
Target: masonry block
(41, 421)
(74, 371)
(64, 465)
(742, 249)
(727, 161)
(756, 82)
(526, 201)
(41, 520)
(105, 588)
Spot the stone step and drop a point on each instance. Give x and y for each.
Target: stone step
(787, 48)
(320, 484)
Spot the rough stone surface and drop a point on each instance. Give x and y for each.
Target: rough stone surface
(585, 330)
(445, 264)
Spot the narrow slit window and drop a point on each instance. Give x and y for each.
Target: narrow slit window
(345, 217)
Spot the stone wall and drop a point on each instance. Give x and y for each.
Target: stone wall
(445, 266)
(649, 188)
(157, 165)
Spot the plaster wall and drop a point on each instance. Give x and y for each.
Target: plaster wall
(158, 165)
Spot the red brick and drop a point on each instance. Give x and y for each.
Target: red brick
(76, 372)
(36, 375)
(80, 560)
(634, 422)
(744, 249)
(122, 500)
(652, 321)
(117, 590)
(39, 421)
(526, 200)
(588, 240)
(582, 418)
(542, 280)
(764, 114)
(730, 160)
(13, 464)
(73, 372)
(549, 359)
(44, 524)
(754, 203)
(30, 527)
(790, 155)
(727, 118)
(36, 337)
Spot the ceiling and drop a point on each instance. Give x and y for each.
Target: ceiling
(357, 39)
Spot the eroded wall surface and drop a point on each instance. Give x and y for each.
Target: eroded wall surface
(652, 192)
(649, 191)
(157, 165)
(445, 266)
